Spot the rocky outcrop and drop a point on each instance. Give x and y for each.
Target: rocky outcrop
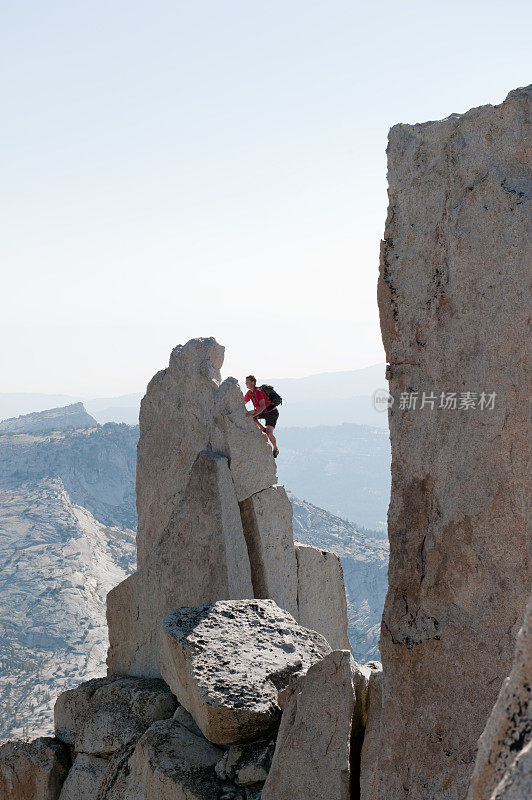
(214, 531)
(508, 732)
(267, 521)
(104, 714)
(217, 562)
(186, 410)
(33, 770)
(200, 555)
(171, 761)
(84, 778)
(213, 525)
(321, 600)
(453, 306)
(322, 717)
(55, 419)
(232, 664)
(227, 663)
(458, 571)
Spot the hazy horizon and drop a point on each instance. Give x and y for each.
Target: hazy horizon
(95, 396)
(329, 398)
(173, 170)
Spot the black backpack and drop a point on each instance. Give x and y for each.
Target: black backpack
(275, 399)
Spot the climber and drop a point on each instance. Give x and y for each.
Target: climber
(262, 409)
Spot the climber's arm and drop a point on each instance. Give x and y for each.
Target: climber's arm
(259, 410)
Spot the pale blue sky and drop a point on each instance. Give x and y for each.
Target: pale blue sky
(179, 169)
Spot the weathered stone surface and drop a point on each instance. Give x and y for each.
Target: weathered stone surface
(103, 714)
(199, 455)
(84, 778)
(115, 784)
(201, 557)
(169, 762)
(128, 637)
(509, 727)
(321, 599)
(186, 720)
(246, 764)
(238, 437)
(175, 425)
(517, 781)
(369, 771)
(454, 309)
(267, 523)
(173, 764)
(228, 661)
(313, 749)
(33, 770)
(187, 409)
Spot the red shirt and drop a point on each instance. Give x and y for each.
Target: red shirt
(256, 397)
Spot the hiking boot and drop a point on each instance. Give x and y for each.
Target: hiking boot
(276, 452)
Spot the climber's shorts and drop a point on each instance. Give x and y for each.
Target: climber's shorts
(270, 418)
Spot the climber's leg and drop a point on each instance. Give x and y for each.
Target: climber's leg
(271, 437)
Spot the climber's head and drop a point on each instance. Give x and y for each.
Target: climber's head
(251, 382)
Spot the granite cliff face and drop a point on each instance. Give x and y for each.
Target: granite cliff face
(503, 768)
(454, 311)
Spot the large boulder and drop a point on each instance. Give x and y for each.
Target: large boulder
(313, 753)
(84, 778)
(454, 310)
(201, 557)
(103, 714)
(509, 727)
(267, 522)
(33, 770)
(321, 599)
(227, 663)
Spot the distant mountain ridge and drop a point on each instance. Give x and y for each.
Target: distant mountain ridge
(54, 419)
(96, 467)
